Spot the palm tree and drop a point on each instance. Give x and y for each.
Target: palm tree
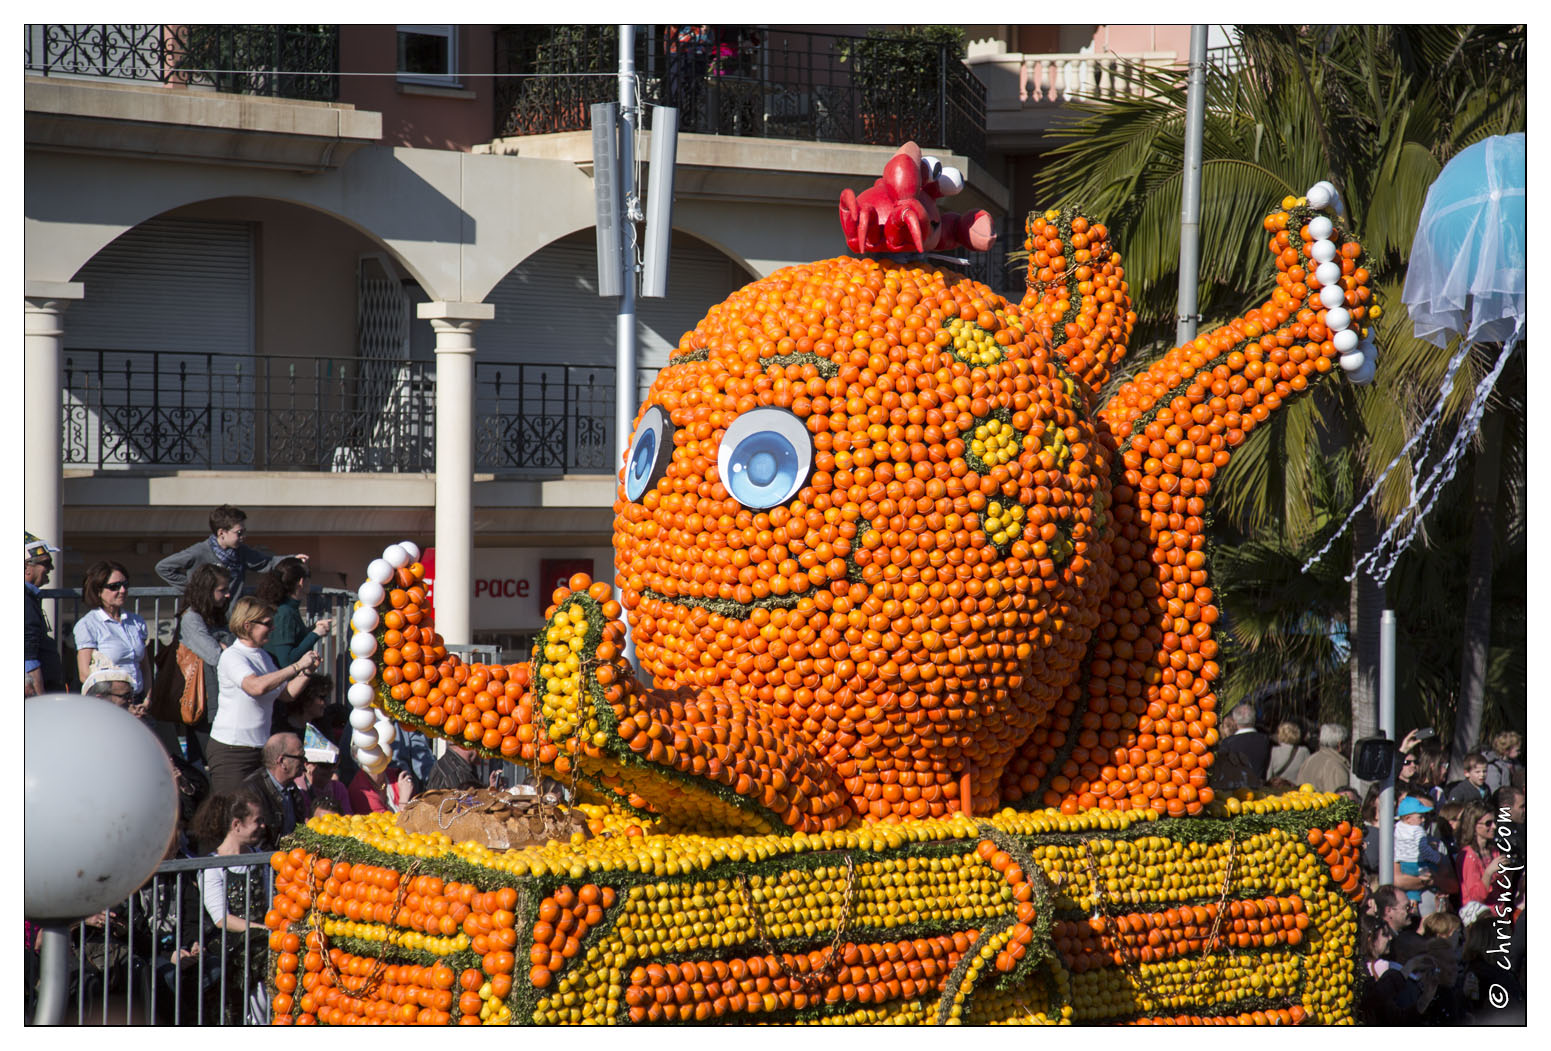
(1377, 110)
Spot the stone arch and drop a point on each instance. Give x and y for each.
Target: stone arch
(213, 204)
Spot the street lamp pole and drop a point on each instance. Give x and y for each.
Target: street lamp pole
(1190, 210)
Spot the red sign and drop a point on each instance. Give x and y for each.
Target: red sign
(428, 560)
(556, 571)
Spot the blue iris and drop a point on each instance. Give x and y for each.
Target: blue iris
(763, 469)
(643, 458)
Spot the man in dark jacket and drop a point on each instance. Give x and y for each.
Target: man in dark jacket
(223, 547)
(285, 805)
(1247, 741)
(44, 671)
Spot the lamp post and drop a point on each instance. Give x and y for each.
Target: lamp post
(90, 840)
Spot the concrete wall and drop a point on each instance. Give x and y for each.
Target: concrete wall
(447, 217)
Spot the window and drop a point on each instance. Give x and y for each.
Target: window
(428, 55)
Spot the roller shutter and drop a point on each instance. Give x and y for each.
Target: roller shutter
(168, 284)
(158, 356)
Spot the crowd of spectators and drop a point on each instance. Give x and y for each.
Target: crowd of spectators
(270, 748)
(1442, 938)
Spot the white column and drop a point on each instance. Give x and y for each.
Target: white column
(454, 324)
(42, 409)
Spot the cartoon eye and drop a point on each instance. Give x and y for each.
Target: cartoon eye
(765, 457)
(650, 452)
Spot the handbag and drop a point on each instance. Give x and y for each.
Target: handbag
(178, 693)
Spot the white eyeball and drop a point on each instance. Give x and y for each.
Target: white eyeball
(1337, 318)
(1322, 251)
(1345, 340)
(379, 571)
(950, 181)
(362, 644)
(371, 594)
(1353, 361)
(1331, 296)
(365, 619)
(360, 695)
(411, 548)
(363, 738)
(363, 718)
(765, 457)
(362, 670)
(1321, 227)
(651, 451)
(395, 556)
(1328, 273)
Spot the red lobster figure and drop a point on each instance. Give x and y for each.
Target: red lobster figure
(899, 212)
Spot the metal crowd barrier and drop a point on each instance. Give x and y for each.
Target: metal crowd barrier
(158, 606)
(158, 958)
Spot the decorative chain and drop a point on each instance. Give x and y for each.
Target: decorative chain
(1222, 901)
(1101, 909)
(371, 981)
(811, 979)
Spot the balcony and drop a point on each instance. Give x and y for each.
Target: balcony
(253, 96)
(163, 410)
(772, 84)
(1027, 93)
(290, 62)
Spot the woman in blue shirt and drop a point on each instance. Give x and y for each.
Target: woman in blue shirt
(108, 635)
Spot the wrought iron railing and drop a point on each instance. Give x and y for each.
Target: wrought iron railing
(160, 409)
(543, 417)
(294, 62)
(767, 84)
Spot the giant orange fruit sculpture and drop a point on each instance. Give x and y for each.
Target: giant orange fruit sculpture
(883, 554)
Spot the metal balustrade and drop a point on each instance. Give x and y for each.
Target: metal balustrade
(129, 409)
(294, 62)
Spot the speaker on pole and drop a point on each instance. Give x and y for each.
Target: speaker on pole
(659, 200)
(608, 198)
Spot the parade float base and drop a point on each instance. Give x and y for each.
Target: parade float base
(1244, 916)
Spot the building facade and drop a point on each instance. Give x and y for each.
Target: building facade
(344, 277)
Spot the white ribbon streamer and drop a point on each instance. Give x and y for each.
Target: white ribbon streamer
(1432, 485)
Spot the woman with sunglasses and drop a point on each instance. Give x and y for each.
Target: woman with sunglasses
(249, 683)
(1479, 860)
(108, 635)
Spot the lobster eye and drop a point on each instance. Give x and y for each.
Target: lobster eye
(650, 452)
(765, 457)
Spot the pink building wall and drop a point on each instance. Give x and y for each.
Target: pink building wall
(1133, 39)
(437, 118)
